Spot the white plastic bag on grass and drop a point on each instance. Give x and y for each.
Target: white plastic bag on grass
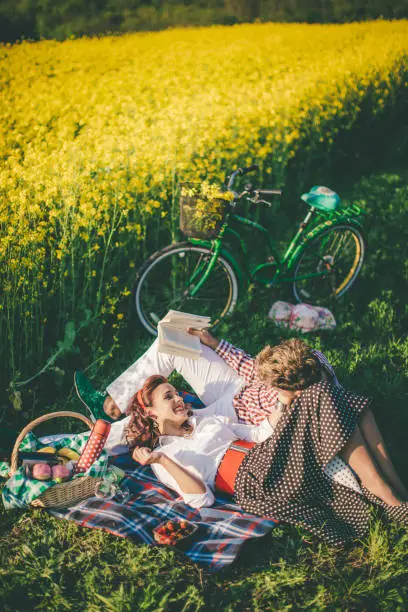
(302, 317)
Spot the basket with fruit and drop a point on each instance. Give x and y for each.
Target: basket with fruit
(54, 466)
(175, 533)
(49, 463)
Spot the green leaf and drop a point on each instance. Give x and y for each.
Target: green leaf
(69, 338)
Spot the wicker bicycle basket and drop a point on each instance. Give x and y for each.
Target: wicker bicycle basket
(201, 217)
(64, 494)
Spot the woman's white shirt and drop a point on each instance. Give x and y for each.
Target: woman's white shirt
(201, 451)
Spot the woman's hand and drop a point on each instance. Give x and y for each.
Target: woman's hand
(205, 337)
(145, 456)
(188, 483)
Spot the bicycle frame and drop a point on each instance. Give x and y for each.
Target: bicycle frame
(282, 264)
(216, 271)
(279, 262)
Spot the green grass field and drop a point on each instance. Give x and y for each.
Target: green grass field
(96, 133)
(46, 564)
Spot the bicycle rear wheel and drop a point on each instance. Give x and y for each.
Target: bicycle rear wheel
(328, 264)
(168, 277)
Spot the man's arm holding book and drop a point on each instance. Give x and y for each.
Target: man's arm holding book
(242, 363)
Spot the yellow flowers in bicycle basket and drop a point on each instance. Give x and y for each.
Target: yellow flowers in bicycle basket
(202, 209)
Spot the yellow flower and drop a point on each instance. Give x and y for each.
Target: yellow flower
(89, 174)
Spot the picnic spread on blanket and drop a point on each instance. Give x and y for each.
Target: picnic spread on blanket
(229, 440)
(220, 532)
(192, 456)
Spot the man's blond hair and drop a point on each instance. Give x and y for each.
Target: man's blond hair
(290, 366)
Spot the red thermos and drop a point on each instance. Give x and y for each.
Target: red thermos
(94, 446)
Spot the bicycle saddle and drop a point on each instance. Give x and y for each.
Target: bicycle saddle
(322, 198)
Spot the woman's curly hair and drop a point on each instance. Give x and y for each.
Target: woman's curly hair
(142, 429)
(290, 365)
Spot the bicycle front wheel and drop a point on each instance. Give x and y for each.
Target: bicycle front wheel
(328, 264)
(167, 281)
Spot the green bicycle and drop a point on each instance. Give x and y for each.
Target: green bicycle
(204, 277)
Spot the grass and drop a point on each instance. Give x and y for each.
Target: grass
(47, 564)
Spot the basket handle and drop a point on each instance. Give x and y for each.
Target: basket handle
(42, 419)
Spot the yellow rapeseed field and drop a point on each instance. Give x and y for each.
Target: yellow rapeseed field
(96, 132)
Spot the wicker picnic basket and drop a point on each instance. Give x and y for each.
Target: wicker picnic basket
(67, 493)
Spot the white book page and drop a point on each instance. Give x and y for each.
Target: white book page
(177, 337)
(184, 319)
(173, 337)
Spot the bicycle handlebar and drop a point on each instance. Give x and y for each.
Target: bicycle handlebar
(249, 169)
(241, 172)
(248, 189)
(267, 192)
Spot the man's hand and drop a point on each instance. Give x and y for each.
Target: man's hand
(145, 456)
(205, 337)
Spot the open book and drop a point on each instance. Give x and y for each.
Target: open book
(173, 338)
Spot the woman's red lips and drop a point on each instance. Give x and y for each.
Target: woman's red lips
(181, 408)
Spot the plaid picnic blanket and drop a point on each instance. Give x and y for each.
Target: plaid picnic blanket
(223, 528)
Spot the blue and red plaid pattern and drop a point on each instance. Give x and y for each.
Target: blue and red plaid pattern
(223, 528)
